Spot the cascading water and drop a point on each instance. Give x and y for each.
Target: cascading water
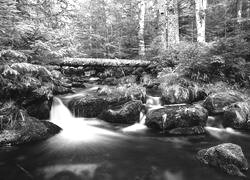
(215, 128)
(60, 114)
(151, 103)
(74, 129)
(222, 133)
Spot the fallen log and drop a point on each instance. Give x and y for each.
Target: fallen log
(75, 62)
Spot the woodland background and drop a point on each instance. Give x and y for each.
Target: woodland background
(163, 31)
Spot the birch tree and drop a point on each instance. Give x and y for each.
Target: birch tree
(142, 7)
(200, 14)
(239, 11)
(162, 24)
(172, 22)
(248, 9)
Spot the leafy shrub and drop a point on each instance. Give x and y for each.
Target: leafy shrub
(205, 69)
(226, 59)
(233, 47)
(221, 86)
(182, 53)
(9, 56)
(170, 79)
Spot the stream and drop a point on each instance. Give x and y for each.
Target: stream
(91, 149)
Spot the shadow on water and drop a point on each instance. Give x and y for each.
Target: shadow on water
(90, 149)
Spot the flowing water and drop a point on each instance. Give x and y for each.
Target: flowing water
(90, 149)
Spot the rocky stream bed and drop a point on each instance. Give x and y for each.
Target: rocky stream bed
(180, 123)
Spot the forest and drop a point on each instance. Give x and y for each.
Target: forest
(124, 90)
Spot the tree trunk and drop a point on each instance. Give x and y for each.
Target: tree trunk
(162, 25)
(200, 13)
(248, 10)
(239, 11)
(172, 22)
(142, 7)
(76, 62)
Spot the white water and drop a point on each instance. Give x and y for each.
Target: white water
(82, 93)
(79, 129)
(75, 129)
(151, 103)
(222, 133)
(137, 126)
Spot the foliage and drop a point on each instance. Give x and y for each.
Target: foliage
(11, 115)
(226, 59)
(41, 30)
(233, 47)
(183, 53)
(34, 30)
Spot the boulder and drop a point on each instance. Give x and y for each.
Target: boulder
(121, 94)
(38, 102)
(178, 116)
(215, 103)
(87, 106)
(28, 91)
(31, 130)
(237, 115)
(18, 127)
(40, 110)
(32, 87)
(228, 157)
(176, 94)
(127, 114)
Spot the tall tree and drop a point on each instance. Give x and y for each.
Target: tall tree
(200, 13)
(162, 24)
(142, 7)
(248, 9)
(239, 11)
(172, 22)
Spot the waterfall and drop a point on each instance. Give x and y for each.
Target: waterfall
(74, 128)
(59, 113)
(215, 128)
(151, 103)
(137, 126)
(142, 119)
